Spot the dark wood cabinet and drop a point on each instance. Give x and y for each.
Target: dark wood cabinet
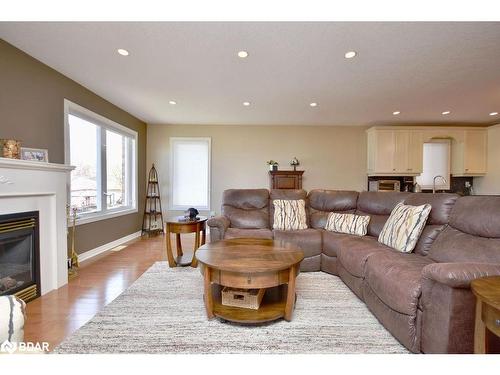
(286, 179)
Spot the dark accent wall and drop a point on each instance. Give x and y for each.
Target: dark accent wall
(32, 110)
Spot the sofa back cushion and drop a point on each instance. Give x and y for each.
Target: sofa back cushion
(246, 208)
(442, 205)
(285, 194)
(378, 205)
(321, 202)
(473, 233)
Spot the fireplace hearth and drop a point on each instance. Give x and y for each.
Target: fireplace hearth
(20, 255)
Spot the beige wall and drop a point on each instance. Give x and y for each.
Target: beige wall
(32, 110)
(332, 157)
(490, 184)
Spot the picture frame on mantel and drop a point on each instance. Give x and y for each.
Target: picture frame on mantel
(35, 154)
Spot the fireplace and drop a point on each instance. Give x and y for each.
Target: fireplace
(20, 255)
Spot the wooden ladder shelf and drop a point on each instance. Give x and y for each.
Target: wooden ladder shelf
(152, 222)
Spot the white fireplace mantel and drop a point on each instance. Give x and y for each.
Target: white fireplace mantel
(39, 186)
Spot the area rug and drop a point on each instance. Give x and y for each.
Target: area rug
(163, 312)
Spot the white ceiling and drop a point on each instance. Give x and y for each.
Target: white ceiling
(420, 69)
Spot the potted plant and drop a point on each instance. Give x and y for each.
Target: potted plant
(294, 162)
(273, 165)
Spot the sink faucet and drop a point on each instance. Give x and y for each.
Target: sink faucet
(434, 182)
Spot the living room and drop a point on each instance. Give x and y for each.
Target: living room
(314, 186)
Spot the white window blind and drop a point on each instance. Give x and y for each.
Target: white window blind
(436, 163)
(190, 173)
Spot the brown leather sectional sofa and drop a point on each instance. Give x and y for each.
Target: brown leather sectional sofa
(423, 298)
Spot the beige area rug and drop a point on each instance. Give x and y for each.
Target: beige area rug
(163, 312)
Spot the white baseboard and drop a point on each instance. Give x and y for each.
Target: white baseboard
(108, 246)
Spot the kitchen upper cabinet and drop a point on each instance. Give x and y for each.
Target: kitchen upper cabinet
(469, 153)
(395, 152)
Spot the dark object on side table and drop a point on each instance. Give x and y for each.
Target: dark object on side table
(191, 213)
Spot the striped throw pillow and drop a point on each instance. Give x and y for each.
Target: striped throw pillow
(347, 223)
(403, 228)
(12, 311)
(289, 214)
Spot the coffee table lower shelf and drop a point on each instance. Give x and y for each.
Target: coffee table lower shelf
(271, 308)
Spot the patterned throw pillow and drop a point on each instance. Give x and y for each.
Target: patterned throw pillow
(347, 223)
(403, 228)
(289, 214)
(12, 311)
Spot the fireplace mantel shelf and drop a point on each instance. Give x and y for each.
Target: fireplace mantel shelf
(34, 165)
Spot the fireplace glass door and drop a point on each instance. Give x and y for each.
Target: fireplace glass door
(18, 253)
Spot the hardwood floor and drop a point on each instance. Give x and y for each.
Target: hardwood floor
(58, 314)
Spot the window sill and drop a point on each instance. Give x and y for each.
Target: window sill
(90, 218)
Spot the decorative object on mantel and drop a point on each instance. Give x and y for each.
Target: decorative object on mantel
(10, 148)
(73, 263)
(294, 163)
(152, 222)
(34, 154)
(286, 179)
(273, 165)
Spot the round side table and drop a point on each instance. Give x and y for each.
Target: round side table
(487, 330)
(179, 225)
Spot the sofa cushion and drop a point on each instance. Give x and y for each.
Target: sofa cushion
(289, 214)
(332, 242)
(246, 208)
(442, 205)
(347, 223)
(309, 240)
(396, 279)
(453, 245)
(321, 202)
(477, 215)
(248, 233)
(403, 228)
(379, 206)
(354, 251)
(473, 233)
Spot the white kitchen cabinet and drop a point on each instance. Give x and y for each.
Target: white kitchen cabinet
(469, 153)
(394, 152)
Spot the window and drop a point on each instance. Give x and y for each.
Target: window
(436, 163)
(190, 173)
(104, 153)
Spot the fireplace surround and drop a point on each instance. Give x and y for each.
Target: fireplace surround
(20, 255)
(27, 186)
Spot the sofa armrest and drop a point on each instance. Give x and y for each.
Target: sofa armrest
(459, 275)
(218, 226)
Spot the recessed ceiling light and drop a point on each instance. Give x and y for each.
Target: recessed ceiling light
(243, 54)
(246, 104)
(350, 54)
(173, 102)
(493, 113)
(122, 52)
(445, 113)
(395, 113)
(313, 104)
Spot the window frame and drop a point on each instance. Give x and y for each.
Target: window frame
(104, 125)
(172, 140)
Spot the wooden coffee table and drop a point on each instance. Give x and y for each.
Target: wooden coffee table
(250, 264)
